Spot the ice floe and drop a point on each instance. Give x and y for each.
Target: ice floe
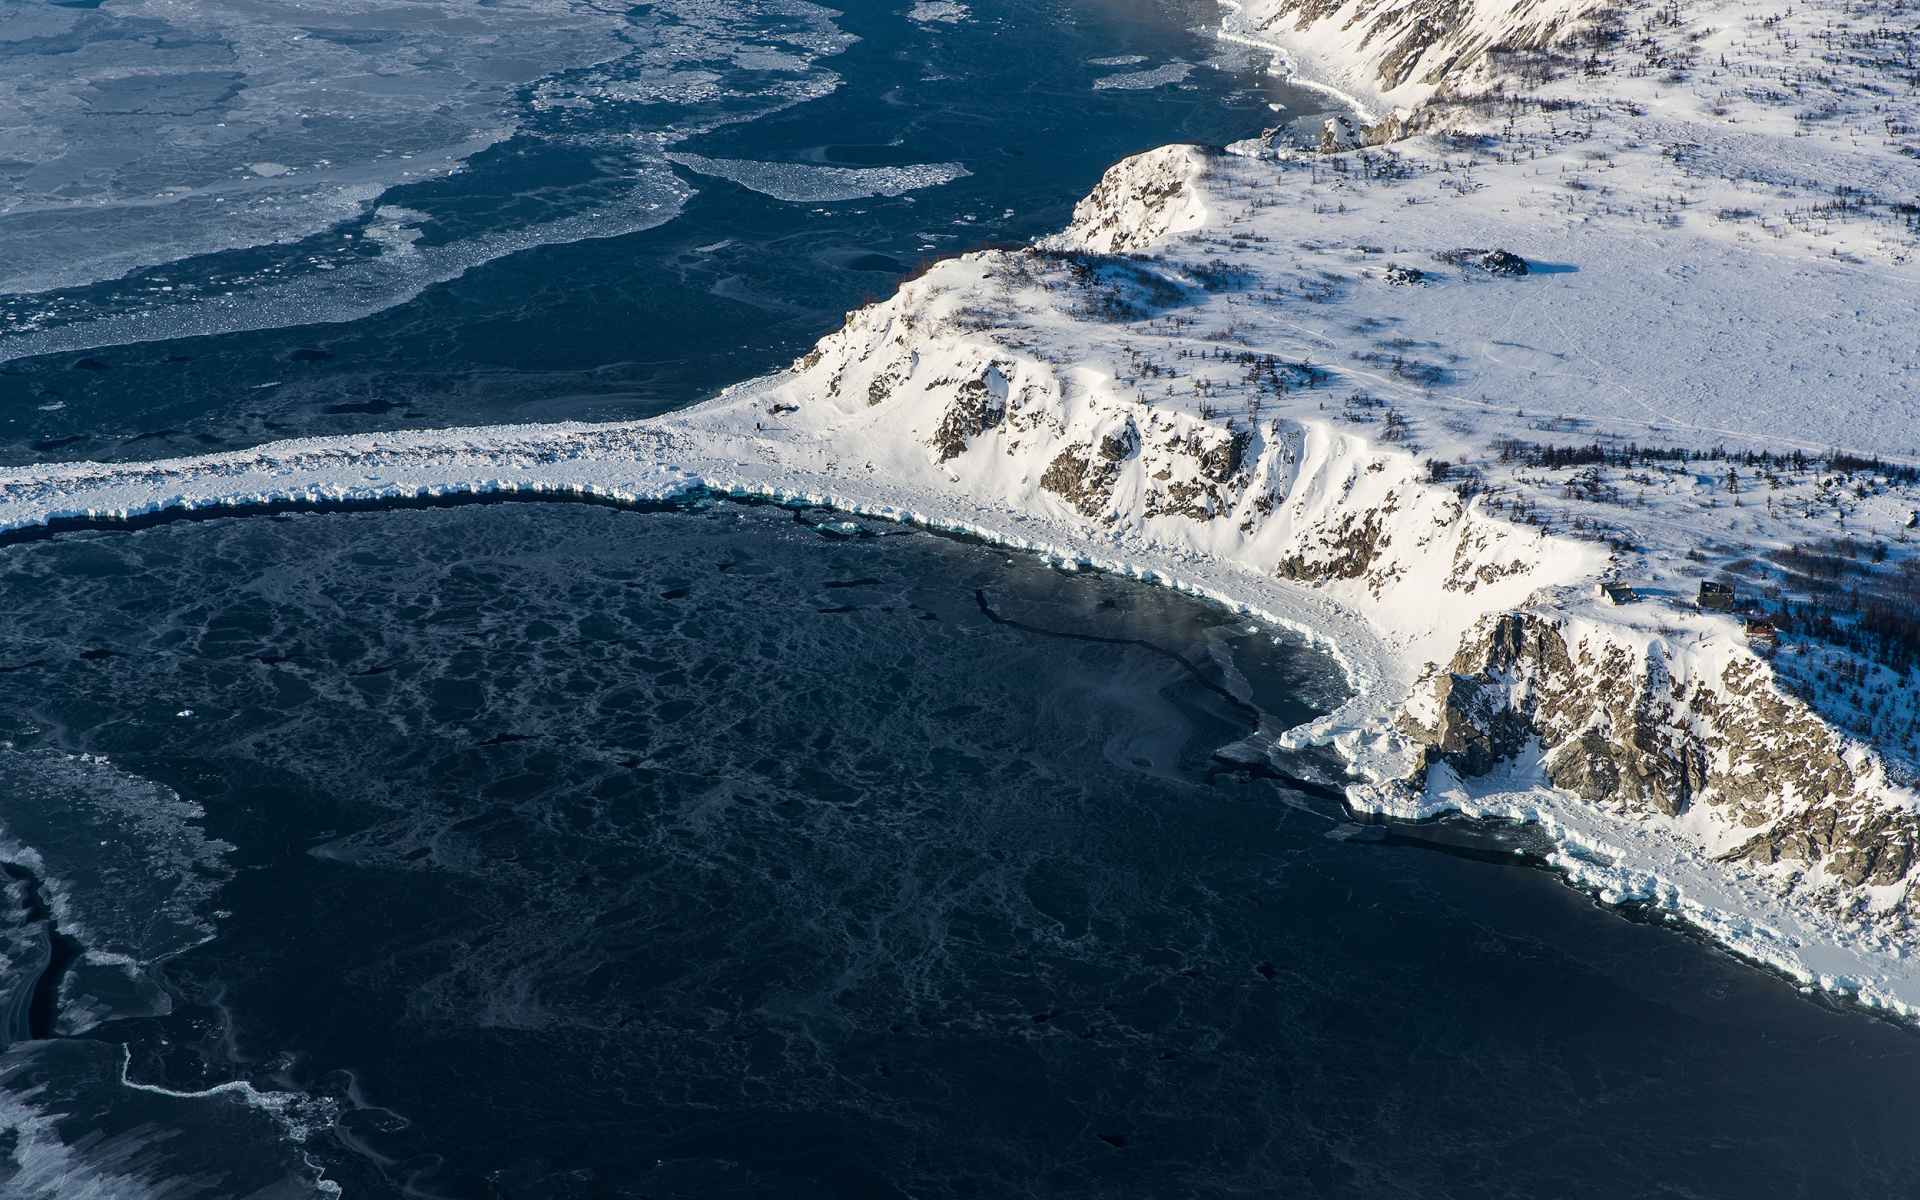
(802, 183)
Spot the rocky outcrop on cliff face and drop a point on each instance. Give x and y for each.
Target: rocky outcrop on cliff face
(1596, 708)
(977, 405)
(1852, 847)
(1085, 476)
(989, 414)
(1338, 135)
(1693, 730)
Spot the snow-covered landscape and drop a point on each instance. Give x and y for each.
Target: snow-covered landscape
(1559, 314)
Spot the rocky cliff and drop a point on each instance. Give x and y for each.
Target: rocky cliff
(1683, 726)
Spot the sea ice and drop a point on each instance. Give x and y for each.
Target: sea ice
(1161, 76)
(930, 12)
(296, 125)
(807, 184)
(128, 869)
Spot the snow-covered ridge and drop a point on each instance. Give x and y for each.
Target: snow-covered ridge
(1156, 197)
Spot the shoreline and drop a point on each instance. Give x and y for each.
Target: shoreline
(1619, 862)
(1286, 65)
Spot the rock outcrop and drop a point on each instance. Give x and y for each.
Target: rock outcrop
(1647, 723)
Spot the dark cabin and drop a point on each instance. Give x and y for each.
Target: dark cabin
(1618, 593)
(1716, 596)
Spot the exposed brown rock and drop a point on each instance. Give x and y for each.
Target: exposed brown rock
(1619, 729)
(1083, 478)
(978, 405)
(1345, 550)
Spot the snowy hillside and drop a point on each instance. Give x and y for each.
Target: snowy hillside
(1387, 54)
(1619, 294)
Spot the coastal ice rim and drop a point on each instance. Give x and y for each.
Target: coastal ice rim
(1581, 857)
(677, 484)
(1287, 67)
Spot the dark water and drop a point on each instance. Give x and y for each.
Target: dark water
(556, 850)
(736, 284)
